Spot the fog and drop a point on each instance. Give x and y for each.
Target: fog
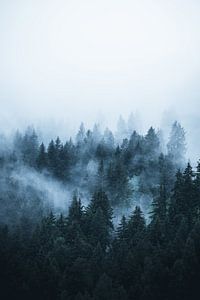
(63, 62)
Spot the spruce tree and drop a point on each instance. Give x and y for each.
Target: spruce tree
(159, 205)
(42, 157)
(177, 145)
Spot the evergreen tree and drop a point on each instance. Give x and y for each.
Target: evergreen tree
(101, 180)
(136, 226)
(159, 205)
(189, 201)
(197, 190)
(152, 143)
(99, 219)
(51, 155)
(109, 139)
(176, 206)
(122, 229)
(131, 124)
(75, 214)
(100, 200)
(96, 133)
(81, 134)
(118, 181)
(42, 157)
(121, 129)
(29, 147)
(177, 145)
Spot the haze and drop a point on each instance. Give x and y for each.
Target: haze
(72, 61)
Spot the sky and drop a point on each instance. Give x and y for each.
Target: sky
(64, 61)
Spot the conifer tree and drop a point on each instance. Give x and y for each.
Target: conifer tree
(177, 145)
(136, 226)
(159, 205)
(42, 157)
(51, 155)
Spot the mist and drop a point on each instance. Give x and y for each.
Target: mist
(99, 149)
(67, 62)
(63, 62)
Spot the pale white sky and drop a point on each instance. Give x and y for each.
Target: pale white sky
(74, 59)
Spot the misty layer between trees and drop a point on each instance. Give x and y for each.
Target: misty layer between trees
(37, 178)
(103, 216)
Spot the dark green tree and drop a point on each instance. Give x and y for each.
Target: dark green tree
(42, 157)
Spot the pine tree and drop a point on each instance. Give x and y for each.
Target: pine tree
(118, 181)
(136, 226)
(42, 157)
(121, 129)
(81, 134)
(177, 145)
(175, 205)
(159, 205)
(100, 200)
(75, 214)
(29, 147)
(75, 225)
(100, 182)
(51, 155)
(96, 133)
(197, 189)
(189, 201)
(131, 124)
(122, 229)
(61, 224)
(109, 139)
(99, 220)
(152, 143)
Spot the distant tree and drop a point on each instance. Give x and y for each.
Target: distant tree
(109, 139)
(51, 156)
(152, 143)
(118, 181)
(99, 219)
(75, 211)
(102, 151)
(58, 144)
(69, 159)
(122, 229)
(136, 226)
(177, 145)
(101, 178)
(131, 124)
(100, 200)
(61, 224)
(42, 157)
(29, 147)
(166, 172)
(96, 133)
(131, 151)
(175, 205)
(197, 187)
(159, 205)
(190, 203)
(183, 202)
(121, 129)
(81, 134)
(17, 144)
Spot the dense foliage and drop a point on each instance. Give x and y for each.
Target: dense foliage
(129, 169)
(81, 253)
(82, 256)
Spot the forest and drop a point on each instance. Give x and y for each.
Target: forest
(128, 228)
